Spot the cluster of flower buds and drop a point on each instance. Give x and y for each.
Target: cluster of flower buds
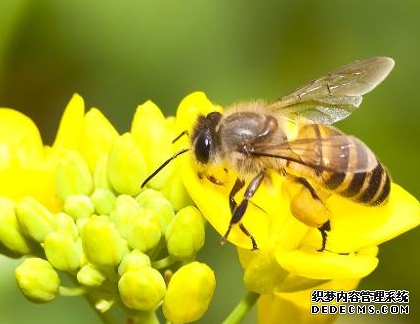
(119, 243)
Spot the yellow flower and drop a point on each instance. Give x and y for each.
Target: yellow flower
(288, 248)
(80, 208)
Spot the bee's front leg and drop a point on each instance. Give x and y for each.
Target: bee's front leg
(239, 210)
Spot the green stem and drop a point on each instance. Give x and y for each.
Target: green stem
(143, 318)
(164, 263)
(106, 317)
(240, 311)
(73, 291)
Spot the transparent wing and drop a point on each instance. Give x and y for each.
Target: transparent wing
(341, 153)
(336, 95)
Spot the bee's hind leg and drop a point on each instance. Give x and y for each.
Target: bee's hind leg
(326, 227)
(308, 207)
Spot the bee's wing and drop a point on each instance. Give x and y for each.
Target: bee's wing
(340, 153)
(337, 94)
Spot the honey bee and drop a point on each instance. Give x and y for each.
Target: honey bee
(294, 136)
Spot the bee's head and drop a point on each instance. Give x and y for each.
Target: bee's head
(203, 139)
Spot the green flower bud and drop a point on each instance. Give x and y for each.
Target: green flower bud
(103, 200)
(100, 175)
(62, 251)
(263, 273)
(185, 235)
(189, 293)
(63, 223)
(174, 190)
(11, 235)
(37, 280)
(125, 212)
(133, 261)
(79, 206)
(160, 205)
(102, 244)
(142, 289)
(147, 194)
(35, 219)
(145, 232)
(103, 305)
(91, 276)
(8, 253)
(73, 177)
(126, 166)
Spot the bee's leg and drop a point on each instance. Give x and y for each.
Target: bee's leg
(239, 184)
(326, 227)
(247, 233)
(308, 207)
(214, 180)
(308, 186)
(239, 210)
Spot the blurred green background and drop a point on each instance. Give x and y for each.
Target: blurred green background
(117, 55)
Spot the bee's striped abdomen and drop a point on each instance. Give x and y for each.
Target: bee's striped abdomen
(358, 174)
(377, 187)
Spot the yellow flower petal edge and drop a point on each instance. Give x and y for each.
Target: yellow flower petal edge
(355, 226)
(295, 307)
(307, 262)
(190, 107)
(22, 171)
(20, 140)
(71, 125)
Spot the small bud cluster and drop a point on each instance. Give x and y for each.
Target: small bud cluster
(112, 237)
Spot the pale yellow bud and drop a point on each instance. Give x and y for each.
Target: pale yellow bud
(126, 166)
(37, 280)
(189, 293)
(142, 289)
(73, 177)
(34, 218)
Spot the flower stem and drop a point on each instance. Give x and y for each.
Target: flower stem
(105, 317)
(164, 263)
(143, 318)
(240, 311)
(73, 291)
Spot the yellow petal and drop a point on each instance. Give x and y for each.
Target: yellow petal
(295, 307)
(97, 137)
(20, 141)
(354, 226)
(190, 107)
(307, 262)
(38, 183)
(71, 125)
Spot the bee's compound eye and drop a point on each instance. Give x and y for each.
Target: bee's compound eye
(202, 147)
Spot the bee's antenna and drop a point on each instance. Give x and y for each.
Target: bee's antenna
(185, 132)
(164, 164)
